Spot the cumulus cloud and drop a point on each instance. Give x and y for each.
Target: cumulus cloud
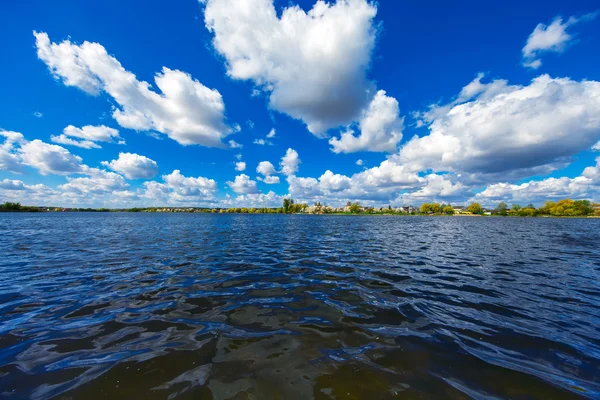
(243, 185)
(240, 166)
(380, 128)
(87, 136)
(313, 65)
(596, 147)
(271, 133)
(50, 158)
(269, 180)
(585, 186)
(257, 200)
(9, 160)
(506, 129)
(289, 162)
(265, 168)
(189, 186)
(133, 166)
(98, 182)
(442, 188)
(184, 110)
(9, 184)
(550, 38)
(381, 184)
(359, 162)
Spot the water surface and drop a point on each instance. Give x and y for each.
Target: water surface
(158, 306)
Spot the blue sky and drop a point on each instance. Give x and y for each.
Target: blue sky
(389, 72)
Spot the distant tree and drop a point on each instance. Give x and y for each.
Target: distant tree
(287, 205)
(355, 208)
(475, 208)
(502, 208)
(448, 210)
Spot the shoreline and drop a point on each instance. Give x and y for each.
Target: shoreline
(116, 211)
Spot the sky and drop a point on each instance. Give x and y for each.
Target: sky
(231, 103)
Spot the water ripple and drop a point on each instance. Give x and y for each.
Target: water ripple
(272, 306)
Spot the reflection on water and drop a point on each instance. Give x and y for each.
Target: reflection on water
(160, 306)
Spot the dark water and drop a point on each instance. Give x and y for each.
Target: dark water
(156, 306)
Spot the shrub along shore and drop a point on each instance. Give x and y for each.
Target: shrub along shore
(562, 208)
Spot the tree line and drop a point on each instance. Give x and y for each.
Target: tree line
(562, 208)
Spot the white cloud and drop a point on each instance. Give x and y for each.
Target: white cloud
(8, 184)
(185, 110)
(271, 134)
(243, 185)
(596, 147)
(98, 182)
(99, 133)
(235, 145)
(289, 162)
(133, 166)
(50, 158)
(262, 142)
(550, 38)
(380, 128)
(189, 186)
(359, 162)
(265, 168)
(381, 184)
(238, 157)
(269, 180)
(585, 186)
(178, 190)
(258, 200)
(67, 141)
(312, 65)
(9, 160)
(442, 188)
(38, 114)
(507, 129)
(240, 166)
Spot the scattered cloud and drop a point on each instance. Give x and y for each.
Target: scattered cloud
(585, 186)
(38, 114)
(550, 38)
(50, 158)
(359, 162)
(269, 180)
(271, 134)
(508, 129)
(243, 185)
(133, 166)
(265, 168)
(235, 145)
(380, 128)
(262, 142)
(312, 65)
(184, 110)
(289, 162)
(97, 182)
(67, 141)
(240, 166)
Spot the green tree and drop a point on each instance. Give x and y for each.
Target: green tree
(355, 208)
(475, 208)
(288, 205)
(502, 208)
(448, 210)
